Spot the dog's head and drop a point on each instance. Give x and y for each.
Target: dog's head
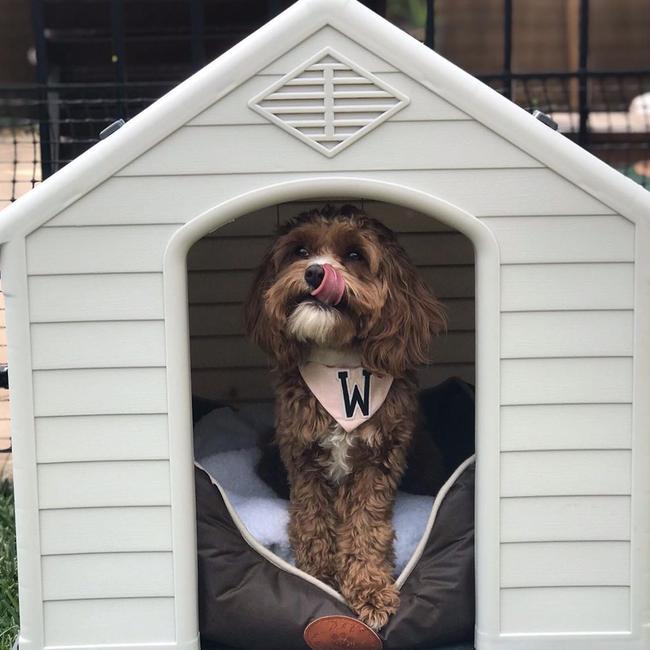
(339, 279)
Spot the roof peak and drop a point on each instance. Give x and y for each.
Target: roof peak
(268, 44)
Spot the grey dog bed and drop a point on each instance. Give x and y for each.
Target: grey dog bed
(251, 599)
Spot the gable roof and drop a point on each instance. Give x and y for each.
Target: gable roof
(273, 40)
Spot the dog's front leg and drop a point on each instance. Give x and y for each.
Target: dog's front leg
(312, 525)
(365, 556)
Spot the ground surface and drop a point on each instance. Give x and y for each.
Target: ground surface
(8, 574)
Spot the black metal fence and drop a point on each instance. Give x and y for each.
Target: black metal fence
(45, 125)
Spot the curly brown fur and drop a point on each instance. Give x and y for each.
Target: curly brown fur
(340, 530)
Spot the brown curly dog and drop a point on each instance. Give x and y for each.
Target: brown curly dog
(345, 317)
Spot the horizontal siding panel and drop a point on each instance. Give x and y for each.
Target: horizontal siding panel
(98, 345)
(216, 319)
(483, 193)
(458, 144)
(433, 249)
(266, 221)
(527, 240)
(396, 217)
(565, 610)
(566, 426)
(233, 108)
(100, 391)
(100, 622)
(101, 437)
(545, 287)
(118, 296)
(215, 253)
(566, 381)
(255, 385)
(538, 473)
(104, 484)
(228, 352)
(107, 575)
(567, 334)
(227, 319)
(292, 209)
(106, 249)
(233, 384)
(258, 223)
(216, 287)
(233, 286)
(588, 518)
(105, 530)
(565, 564)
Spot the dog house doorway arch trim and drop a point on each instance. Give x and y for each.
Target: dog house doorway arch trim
(179, 376)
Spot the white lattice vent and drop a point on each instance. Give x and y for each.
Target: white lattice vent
(329, 102)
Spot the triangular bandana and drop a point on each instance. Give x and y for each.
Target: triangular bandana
(350, 395)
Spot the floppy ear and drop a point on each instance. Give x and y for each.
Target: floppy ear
(400, 336)
(262, 323)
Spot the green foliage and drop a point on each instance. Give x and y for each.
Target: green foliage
(8, 568)
(412, 12)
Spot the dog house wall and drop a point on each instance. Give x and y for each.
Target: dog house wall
(221, 265)
(103, 559)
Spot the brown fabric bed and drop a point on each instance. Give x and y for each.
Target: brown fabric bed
(248, 600)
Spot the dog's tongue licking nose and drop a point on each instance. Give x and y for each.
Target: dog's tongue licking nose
(331, 289)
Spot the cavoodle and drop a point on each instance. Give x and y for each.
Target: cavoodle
(346, 319)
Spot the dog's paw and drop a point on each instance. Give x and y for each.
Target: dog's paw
(379, 607)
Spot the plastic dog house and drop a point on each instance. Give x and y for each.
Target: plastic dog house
(329, 100)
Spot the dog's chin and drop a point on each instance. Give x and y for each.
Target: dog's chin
(315, 323)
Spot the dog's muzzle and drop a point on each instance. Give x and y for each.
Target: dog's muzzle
(326, 282)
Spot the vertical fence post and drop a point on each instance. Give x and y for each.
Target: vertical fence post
(197, 31)
(583, 78)
(430, 26)
(38, 26)
(118, 57)
(273, 8)
(507, 48)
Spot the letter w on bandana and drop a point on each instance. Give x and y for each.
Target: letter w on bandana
(350, 395)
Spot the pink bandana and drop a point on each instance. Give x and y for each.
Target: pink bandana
(350, 395)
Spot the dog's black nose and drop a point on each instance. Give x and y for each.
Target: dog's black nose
(314, 275)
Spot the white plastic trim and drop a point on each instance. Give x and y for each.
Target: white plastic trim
(640, 507)
(577, 641)
(487, 371)
(194, 645)
(274, 39)
(13, 262)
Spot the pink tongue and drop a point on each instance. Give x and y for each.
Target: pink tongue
(331, 289)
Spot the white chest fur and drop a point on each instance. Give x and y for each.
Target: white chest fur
(338, 442)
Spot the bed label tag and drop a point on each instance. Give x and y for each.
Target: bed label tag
(340, 633)
(350, 395)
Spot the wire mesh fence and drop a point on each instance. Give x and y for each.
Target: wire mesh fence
(44, 127)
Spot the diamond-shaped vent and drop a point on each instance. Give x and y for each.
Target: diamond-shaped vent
(329, 102)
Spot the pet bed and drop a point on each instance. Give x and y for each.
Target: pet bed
(251, 595)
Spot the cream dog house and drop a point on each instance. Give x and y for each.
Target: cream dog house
(330, 100)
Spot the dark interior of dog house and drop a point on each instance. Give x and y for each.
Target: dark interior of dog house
(233, 404)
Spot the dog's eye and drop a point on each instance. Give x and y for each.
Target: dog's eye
(353, 256)
(301, 251)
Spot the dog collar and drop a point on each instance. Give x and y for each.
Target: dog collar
(350, 395)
